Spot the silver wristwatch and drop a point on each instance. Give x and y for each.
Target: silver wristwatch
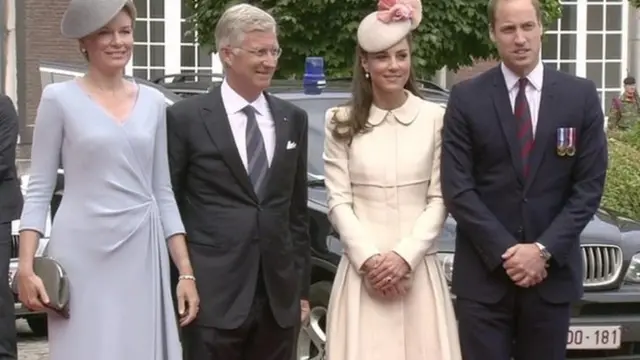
(544, 253)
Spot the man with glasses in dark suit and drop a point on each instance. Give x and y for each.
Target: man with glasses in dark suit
(238, 159)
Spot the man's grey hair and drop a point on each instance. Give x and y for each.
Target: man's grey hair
(239, 20)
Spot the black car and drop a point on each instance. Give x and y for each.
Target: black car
(188, 84)
(610, 249)
(610, 252)
(605, 324)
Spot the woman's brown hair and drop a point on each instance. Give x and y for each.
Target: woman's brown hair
(357, 121)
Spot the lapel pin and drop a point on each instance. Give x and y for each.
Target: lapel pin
(285, 118)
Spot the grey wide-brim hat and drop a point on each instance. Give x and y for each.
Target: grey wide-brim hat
(84, 17)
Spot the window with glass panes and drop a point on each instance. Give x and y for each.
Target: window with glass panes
(606, 58)
(560, 42)
(193, 57)
(590, 40)
(149, 46)
(164, 44)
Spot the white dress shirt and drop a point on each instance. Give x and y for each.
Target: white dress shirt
(233, 105)
(533, 90)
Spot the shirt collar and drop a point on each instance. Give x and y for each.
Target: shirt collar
(535, 76)
(405, 114)
(234, 103)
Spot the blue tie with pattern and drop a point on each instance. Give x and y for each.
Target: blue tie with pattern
(256, 154)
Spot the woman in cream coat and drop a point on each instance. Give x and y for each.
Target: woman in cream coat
(390, 300)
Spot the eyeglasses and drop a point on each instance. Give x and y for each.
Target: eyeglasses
(263, 53)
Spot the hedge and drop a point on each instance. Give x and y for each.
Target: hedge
(622, 188)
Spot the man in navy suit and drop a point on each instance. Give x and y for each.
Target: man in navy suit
(523, 168)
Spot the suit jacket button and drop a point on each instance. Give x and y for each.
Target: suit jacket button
(525, 200)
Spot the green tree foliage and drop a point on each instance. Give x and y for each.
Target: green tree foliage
(452, 32)
(622, 188)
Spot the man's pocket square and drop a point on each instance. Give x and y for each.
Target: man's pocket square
(291, 145)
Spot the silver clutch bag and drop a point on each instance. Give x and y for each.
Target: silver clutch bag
(55, 282)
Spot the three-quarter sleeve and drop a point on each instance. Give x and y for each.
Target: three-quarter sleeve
(45, 158)
(355, 238)
(427, 227)
(169, 214)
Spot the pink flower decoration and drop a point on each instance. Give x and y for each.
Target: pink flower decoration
(400, 10)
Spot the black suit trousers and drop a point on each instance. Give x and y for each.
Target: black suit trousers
(521, 326)
(258, 338)
(8, 346)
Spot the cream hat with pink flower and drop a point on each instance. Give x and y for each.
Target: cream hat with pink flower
(385, 27)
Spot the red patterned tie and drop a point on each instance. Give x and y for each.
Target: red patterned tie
(525, 126)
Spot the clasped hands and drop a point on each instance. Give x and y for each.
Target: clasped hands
(385, 274)
(524, 265)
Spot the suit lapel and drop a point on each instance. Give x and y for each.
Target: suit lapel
(507, 120)
(545, 127)
(216, 122)
(281, 123)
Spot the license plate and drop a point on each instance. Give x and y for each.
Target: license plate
(594, 337)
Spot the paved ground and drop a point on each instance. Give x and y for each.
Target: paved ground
(29, 346)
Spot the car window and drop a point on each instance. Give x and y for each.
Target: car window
(316, 109)
(432, 86)
(449, 231)
(48, 77)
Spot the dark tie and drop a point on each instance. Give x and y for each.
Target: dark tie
(256, 154)
(525, 126)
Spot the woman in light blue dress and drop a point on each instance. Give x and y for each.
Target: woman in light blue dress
(118, 220)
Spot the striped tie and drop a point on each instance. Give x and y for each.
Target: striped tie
(525, 127)
(256, 154)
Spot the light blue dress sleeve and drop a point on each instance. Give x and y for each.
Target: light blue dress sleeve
(169, 214)
(45, 159)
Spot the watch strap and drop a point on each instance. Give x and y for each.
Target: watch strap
(544, 253)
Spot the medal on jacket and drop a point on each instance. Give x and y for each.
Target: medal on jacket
(571, 141)
(561, 141)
